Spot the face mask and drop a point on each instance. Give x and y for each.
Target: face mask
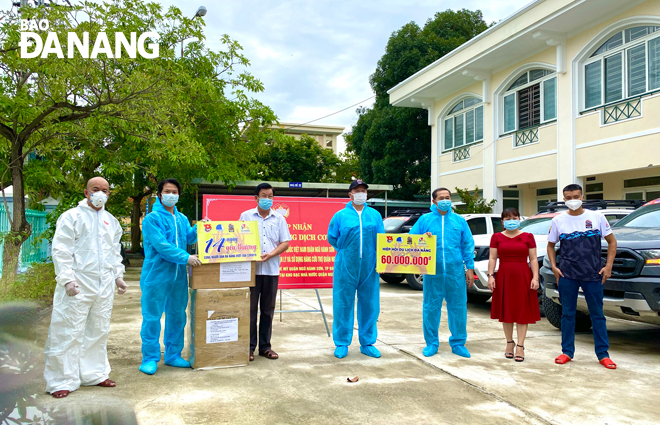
(98, 199)
(574, 204)
(444, 205)
(359, 198)
(169, 199)
(511, 224)
(265, 203)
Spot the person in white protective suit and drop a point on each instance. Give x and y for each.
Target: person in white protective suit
(88, 265)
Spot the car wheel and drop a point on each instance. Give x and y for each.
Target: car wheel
(553, 313)
(393, 278)
(477, 298)
(415, 281)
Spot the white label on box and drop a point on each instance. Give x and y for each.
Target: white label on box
(236, 272)
(221, 330)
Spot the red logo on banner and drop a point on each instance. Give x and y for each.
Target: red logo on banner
(282, 209)
(310, 260)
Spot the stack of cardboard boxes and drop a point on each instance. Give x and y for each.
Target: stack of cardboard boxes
(220, 314)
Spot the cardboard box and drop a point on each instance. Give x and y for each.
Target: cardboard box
(219, 334)
(222, 275)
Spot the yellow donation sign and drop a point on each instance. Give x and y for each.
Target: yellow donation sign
(228, 241)
(405, 253)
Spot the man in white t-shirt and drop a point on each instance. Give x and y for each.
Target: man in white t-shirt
(580, 266)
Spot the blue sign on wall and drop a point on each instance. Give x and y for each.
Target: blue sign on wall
(296, 185)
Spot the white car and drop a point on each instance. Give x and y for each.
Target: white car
(539, 226)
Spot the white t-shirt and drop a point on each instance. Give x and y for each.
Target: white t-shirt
(580, 236)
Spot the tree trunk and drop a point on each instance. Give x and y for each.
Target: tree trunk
(20, 228)
(136, 232)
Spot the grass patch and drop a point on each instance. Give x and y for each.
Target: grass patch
(36, 284)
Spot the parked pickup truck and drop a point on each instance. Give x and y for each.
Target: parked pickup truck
(633, 291)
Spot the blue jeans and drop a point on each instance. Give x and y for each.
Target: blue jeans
(593, 294)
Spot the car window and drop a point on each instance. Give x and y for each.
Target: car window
(409, 224)
(648, 216)
(497, 224)
(394, 224)
(537, 226)
(478, 226)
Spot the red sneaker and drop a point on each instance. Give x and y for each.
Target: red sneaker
(563, 359)
(608, 363)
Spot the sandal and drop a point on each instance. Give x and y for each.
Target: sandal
(509, 355)
(61, 393)
(608, 363)
(520, 358)
(269, 354)
(251, 356)
(563, 359)
(107, 384)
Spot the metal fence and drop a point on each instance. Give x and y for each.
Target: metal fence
(34, 248)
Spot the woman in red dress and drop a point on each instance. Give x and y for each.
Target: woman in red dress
(514, 287)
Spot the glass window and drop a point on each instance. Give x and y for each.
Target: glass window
(594, 196)
(456, 108)
(593, 187)
(613, 78)
(548, 191)
(550, 99)
(510, 113)
(637, 70)
(537, 226)
(592, 83)
(521, 81)
(535, 74)
(449, 133)
(458, 130)
(644, 181)
(529, 106)
(510, 193)
(635, 196)
(648, 216)
(511, 203)
(469, 126)
(471, 101)
(478, 225)
(479, 123)
(497, 224)
(652, 195)
(543, 202)
(654, 64)
(633, 34)
(614, 42)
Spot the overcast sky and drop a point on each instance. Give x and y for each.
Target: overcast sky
(315, 57)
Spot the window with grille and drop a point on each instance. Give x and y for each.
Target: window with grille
(625, 66)
(530, 101)
(463, 125)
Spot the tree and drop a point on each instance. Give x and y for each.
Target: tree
(474, 203)
(49, 104)
(286, 158)
(394, 144)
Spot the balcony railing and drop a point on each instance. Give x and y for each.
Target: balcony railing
(461, 154)
(527, 136)
(622, 111)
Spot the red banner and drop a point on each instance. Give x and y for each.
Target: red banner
(310, 260)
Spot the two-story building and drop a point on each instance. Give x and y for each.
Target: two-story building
(325, 135)
(560, 92)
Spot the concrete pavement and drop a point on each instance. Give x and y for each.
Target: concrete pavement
(308, 384)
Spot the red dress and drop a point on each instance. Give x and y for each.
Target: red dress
(513, 300)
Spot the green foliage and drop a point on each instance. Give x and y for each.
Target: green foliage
(286, 158)
(474, 203)
(393, 143)
(36, 284)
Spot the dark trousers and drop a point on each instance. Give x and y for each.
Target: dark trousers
(262, 297)
(593, 294)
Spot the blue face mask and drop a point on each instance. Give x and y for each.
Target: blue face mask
(169, 200)
(511, 224)
(444, 205)
(265, 203)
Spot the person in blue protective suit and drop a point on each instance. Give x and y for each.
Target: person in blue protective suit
(352, 232)
(455, 254)
(164, 281)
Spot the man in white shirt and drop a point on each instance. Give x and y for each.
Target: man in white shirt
(580, 266)
(274, 237)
